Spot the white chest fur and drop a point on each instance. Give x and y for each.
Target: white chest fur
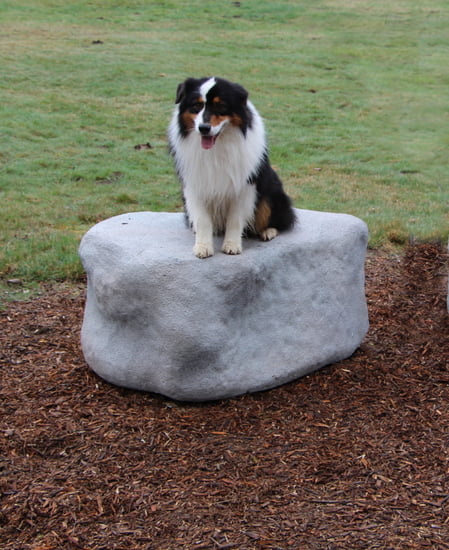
(224, 170)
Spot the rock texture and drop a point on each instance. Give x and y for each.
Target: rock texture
(159, 319)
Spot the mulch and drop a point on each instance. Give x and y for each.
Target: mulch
(355, 455)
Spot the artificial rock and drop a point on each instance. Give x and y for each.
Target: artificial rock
(159, 319)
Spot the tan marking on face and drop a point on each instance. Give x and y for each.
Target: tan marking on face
(189, 120)
(216, 99)
(263, 213)
(236, 120)
(216, 120)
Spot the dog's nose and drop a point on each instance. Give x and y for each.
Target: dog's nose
(204, 128)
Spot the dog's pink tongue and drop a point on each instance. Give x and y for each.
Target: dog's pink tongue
(207, 142)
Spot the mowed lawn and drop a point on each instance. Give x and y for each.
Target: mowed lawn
(354, 95)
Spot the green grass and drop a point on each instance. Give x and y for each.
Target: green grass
(354, 96)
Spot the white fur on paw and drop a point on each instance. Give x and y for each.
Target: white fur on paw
(231, 247)
(203, 250)
(269, 234)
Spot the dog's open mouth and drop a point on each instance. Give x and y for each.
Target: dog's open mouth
(207, 142)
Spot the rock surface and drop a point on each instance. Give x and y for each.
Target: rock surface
(159, 319)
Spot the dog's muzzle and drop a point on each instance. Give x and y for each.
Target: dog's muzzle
(204, 128)
(207, 139)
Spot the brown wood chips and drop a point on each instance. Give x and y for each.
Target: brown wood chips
(353, 456)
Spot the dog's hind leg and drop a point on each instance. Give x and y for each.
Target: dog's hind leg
(262, 220)
(269, 234)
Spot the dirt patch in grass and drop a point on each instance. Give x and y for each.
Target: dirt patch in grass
(355, 455)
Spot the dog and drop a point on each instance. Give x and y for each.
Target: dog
(217, 140)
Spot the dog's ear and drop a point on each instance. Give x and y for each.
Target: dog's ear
(181, 92)
(185, 88)
(241, 93)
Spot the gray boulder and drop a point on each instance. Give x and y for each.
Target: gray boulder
(159, 319)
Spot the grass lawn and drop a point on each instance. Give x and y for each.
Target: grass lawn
(354, 96)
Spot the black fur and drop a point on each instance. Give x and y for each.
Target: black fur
(269, 188)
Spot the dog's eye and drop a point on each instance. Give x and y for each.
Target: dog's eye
(196, 107)
(221, 108)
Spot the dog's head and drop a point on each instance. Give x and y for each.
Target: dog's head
(210, 106)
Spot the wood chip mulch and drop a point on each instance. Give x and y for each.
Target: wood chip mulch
(353, 456)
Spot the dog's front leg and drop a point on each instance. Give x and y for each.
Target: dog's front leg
(240, 214)
(204, 244)
(202, 225)
(232, 243)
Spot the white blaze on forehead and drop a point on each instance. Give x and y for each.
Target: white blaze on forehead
(206, 86)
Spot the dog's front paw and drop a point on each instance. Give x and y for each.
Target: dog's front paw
(232, 247)
(203, 250)
(269, 234)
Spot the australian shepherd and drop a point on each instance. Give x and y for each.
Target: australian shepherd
(217, 139)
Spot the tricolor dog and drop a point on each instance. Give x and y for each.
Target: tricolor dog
(217, 139)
